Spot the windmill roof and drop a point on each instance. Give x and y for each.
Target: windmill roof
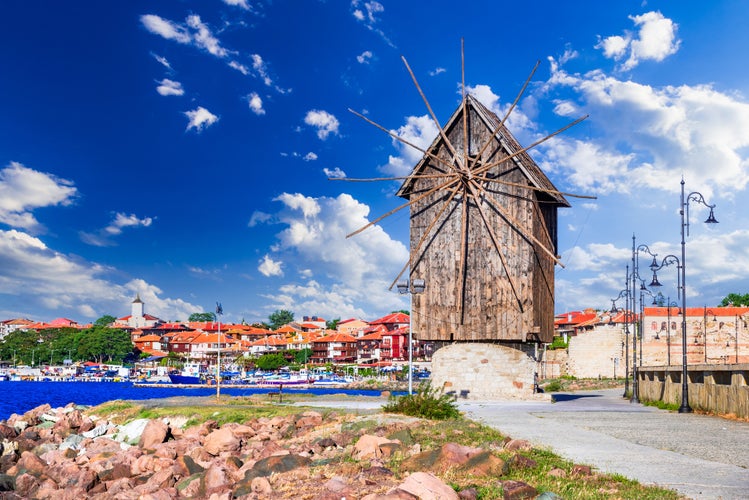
(491, 121)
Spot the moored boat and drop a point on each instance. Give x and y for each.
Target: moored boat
(191, 373)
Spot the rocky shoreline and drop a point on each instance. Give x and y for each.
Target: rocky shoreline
(70, 453)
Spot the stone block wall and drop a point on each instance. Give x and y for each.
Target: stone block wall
(485, 371)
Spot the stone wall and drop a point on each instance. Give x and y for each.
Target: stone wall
(597, 353)
(485, 371)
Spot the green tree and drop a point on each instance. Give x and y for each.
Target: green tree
(105, 320)
(735, 299)
(402, 311)
(302, 356)
(203, 317)
(332, 324)
(105, 345)
(279, 318)
(271, 361)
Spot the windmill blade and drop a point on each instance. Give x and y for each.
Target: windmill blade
(463, 258)
(402, 178)
(489, 166)
(466, 146)
(404, 141)
(407, 204)
(507, 115)
(534, 188)
(518, 227)
(431, 113)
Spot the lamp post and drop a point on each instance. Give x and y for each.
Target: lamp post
(639, 324)
(624, 294)
(643, 292)
(670, 259)
(219, 312)
(411, 287)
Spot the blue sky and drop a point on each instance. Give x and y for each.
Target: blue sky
(182, 150)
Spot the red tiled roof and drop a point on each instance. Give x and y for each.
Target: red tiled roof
(390, 319)
(336, 337)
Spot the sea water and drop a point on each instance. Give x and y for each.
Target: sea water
(20, 397)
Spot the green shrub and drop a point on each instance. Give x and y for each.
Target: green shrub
(558, 343)
(426, 402)
(553, 386)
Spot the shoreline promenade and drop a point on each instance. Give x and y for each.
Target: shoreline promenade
(700, 456)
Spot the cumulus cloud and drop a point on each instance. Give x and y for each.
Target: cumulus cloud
(42, 278)
(419, 131)
(310, 156)
(352, 273)
(170, 87)
(255, 103)
(654, 41)
(679, 130)
(324, 122)
(200, 118)
(22, 190)
(437, 71)
(239, 67)
(269, 267)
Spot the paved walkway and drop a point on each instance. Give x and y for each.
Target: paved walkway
(699, 456)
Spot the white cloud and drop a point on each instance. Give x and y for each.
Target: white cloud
(238, 3)
(364, 57)
(269, 267)
(655, 41)
(437, 71)
(193, 32)
(103, 237)
(122, 220)
(255, 103)
(239, 67)
(647, 136)
(170, 87)
(324, 122)
(310, 156)
(419, 131)
(200, 118)
(258, 217)
(166, 29)
(23, 189)
(335, 173)
(352, 273)
(43, 278)
(162, 60)
(261, 69)
(366, 12)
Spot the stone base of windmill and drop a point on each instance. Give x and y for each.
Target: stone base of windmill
(486, 371)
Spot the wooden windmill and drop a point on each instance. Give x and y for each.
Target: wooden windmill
(483, 226)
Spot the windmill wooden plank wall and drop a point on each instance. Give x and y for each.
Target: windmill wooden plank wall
(473, 293)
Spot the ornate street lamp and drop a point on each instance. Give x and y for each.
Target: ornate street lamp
(624, 294)
(684, 212)
(413, 286)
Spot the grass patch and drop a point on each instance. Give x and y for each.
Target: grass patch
(662, 405)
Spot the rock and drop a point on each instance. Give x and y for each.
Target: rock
(581, 470)
(557, 472)
(327, 443)
(261, 486)
(131, 432)
(7, 483)
(221, 440)
(425, 485)
(476, 461)
(155, 432)
(517, 490)
(468, 494)
(186, 466)
(276, 464)
(7, 432)
(518, 444)
(368, 446)
(520, 462)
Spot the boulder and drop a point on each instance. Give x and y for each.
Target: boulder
(155, 432)
(426, 485)
(221, 440)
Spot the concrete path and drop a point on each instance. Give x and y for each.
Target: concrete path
(701, 457)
